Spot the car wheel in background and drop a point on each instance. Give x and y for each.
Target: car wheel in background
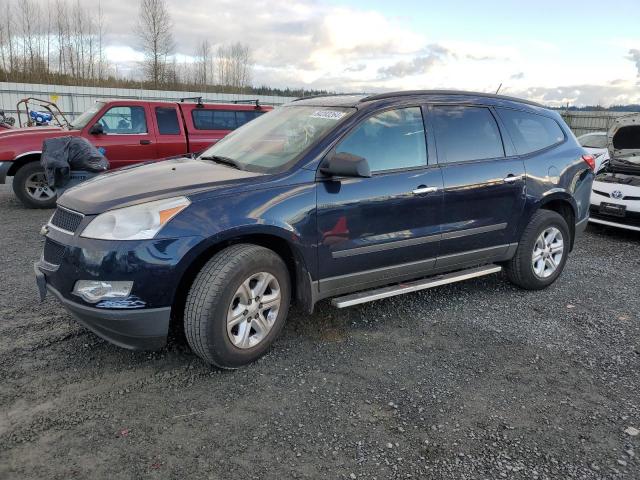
(237, 305)
(542, 251)
(31, 187)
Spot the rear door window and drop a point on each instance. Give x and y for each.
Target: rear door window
(206, 119)
(530, 132)
(466, 134)
(390, 140)
(167, 118)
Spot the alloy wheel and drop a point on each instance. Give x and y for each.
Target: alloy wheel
(253, 310)
(547, 252)
(38, 188)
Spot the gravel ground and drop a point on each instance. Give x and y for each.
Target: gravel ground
(473, 380)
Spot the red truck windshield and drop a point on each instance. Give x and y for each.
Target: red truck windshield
(82, 121)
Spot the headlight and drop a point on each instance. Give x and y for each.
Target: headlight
(138, 222)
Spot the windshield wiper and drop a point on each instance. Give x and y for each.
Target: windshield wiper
(224, 160)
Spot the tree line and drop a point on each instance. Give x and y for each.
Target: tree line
(63, 42)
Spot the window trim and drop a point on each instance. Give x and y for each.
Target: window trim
(155, 111)
(540, 150)
(364, 118)
(146, 123)
(498, 122)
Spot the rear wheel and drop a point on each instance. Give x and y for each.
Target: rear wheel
(542, 251)
(237, 305)
(31, 187)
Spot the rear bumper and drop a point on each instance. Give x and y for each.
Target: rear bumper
(4, 169)
(135, 329)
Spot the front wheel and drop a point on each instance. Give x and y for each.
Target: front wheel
(237, 305)
(542, 251)
(31, 187)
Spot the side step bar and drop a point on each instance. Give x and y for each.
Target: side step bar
(414, 286)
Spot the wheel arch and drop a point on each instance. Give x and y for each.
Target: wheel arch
(21, 160)
(274, 239)
(563, 204)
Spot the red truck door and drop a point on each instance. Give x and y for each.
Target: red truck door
(128, 136)
(170, 139)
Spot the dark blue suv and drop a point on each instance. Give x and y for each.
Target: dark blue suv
(353, 198)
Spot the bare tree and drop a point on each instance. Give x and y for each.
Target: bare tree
(204, 64)
(234, 64)
(156, 38)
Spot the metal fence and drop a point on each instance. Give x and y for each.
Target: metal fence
(582, 122)
(75, 100)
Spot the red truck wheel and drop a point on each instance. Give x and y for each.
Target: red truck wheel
(31, 188)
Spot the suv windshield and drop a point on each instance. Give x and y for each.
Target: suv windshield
(81, 122)
(269, 143)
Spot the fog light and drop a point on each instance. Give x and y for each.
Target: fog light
(93, 291)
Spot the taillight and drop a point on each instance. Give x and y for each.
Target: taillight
(591, 161)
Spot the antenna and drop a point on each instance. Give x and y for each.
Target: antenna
(499, 87)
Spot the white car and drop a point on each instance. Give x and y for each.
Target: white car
(615, 199)
(596, 144)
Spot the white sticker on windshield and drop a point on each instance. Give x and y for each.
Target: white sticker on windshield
(328, 114)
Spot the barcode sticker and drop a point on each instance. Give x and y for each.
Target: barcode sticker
(328, 114)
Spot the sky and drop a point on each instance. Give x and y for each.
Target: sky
(577, 52)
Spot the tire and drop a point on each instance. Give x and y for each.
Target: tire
(225, 281)
(30, 196)
(526, 273)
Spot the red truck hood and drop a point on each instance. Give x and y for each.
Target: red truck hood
(18, 141)
(151, 181)
(4, 133)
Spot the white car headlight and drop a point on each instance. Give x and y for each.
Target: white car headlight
(138, 222)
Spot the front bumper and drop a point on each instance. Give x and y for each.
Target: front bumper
(135, 329)
(4, 169)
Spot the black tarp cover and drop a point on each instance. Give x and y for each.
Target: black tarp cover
(60, 155)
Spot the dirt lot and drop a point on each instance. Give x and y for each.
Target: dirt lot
(474, 380)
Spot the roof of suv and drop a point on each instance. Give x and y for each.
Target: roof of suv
(353, 100)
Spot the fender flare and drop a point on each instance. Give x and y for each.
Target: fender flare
(303, 285)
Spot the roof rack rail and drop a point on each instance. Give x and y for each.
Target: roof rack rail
(329, 95)
(201, 101)
(382, 96)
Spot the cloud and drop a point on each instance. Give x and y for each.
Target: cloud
(434, 55)
(316, 44)
(634, 56)
(613, 93)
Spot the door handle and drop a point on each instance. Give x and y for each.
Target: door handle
(421, 190)
(145, 142)
(511, 178)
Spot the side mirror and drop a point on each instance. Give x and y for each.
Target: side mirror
(96, 129)
(345, 165)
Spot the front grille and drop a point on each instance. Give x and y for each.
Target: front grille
(66, 219)
(53, 252)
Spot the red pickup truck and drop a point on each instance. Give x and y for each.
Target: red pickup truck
(126, 132)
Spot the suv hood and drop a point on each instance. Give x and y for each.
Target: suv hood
(624, 138)
(151, 181)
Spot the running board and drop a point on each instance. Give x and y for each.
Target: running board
(414, 286)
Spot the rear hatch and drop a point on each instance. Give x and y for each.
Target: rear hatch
(624, 144)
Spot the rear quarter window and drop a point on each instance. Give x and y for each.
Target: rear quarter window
(531, 132)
